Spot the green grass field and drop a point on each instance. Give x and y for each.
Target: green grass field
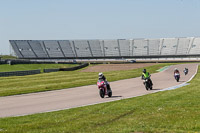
(24, 67)
(169, 111)
(8, 57)
(63, 79)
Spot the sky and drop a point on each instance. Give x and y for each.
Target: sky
(96, 19)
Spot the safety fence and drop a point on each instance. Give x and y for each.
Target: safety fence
(3, 62)
(74, 68)
(23, 61)
(19, 73)
(50, 70)
(66, 69)
(31, 72)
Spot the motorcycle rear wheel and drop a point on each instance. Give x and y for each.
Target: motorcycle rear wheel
(110, 94)
(151, 88)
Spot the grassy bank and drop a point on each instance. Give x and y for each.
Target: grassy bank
(63, 79)
(169, 111)
(7, 57)
(24, 67)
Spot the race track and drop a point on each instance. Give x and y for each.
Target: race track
(87, 95)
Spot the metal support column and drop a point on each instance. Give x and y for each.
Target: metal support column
(191, 45)
(177, 46)
(119, 48)
(161, 46)
(45, 49)
(18, 49)
(61, 48)
(32, 49)
(90, 48)
(74, 48)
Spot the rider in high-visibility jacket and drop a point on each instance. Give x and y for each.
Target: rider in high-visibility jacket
(145, 75)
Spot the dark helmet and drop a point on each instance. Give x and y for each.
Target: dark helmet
(144, 71)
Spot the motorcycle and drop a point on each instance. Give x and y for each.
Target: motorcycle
(103, 90)
(185, 71)
(177, 76)
(147, 83)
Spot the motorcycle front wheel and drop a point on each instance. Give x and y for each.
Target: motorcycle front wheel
(101, 93)
(147, 86)
(177, 79)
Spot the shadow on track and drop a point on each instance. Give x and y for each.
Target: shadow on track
(114, 97)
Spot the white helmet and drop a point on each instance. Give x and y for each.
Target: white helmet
(175, 69)
(100, 75)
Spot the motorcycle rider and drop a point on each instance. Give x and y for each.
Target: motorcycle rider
(145, 75)
(176, 71)
(185, 70)
(102, 77)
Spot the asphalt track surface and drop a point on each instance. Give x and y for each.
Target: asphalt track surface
(26, 104)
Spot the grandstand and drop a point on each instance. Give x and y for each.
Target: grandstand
(107, 49)
(53, 49)
(66, 47)
(153, 45)
(140, 47)
(195, 46)
(38, 49)
(124, 46)
(82, 48)
(169, 46)
(183, 46)
(95, 48)
(111, 48)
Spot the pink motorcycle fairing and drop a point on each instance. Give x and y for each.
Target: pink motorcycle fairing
(101, 85)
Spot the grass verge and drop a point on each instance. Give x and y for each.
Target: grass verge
(63, 79)
(24, 67)
(169, 111)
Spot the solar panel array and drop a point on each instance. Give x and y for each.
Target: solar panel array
(105, 48)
